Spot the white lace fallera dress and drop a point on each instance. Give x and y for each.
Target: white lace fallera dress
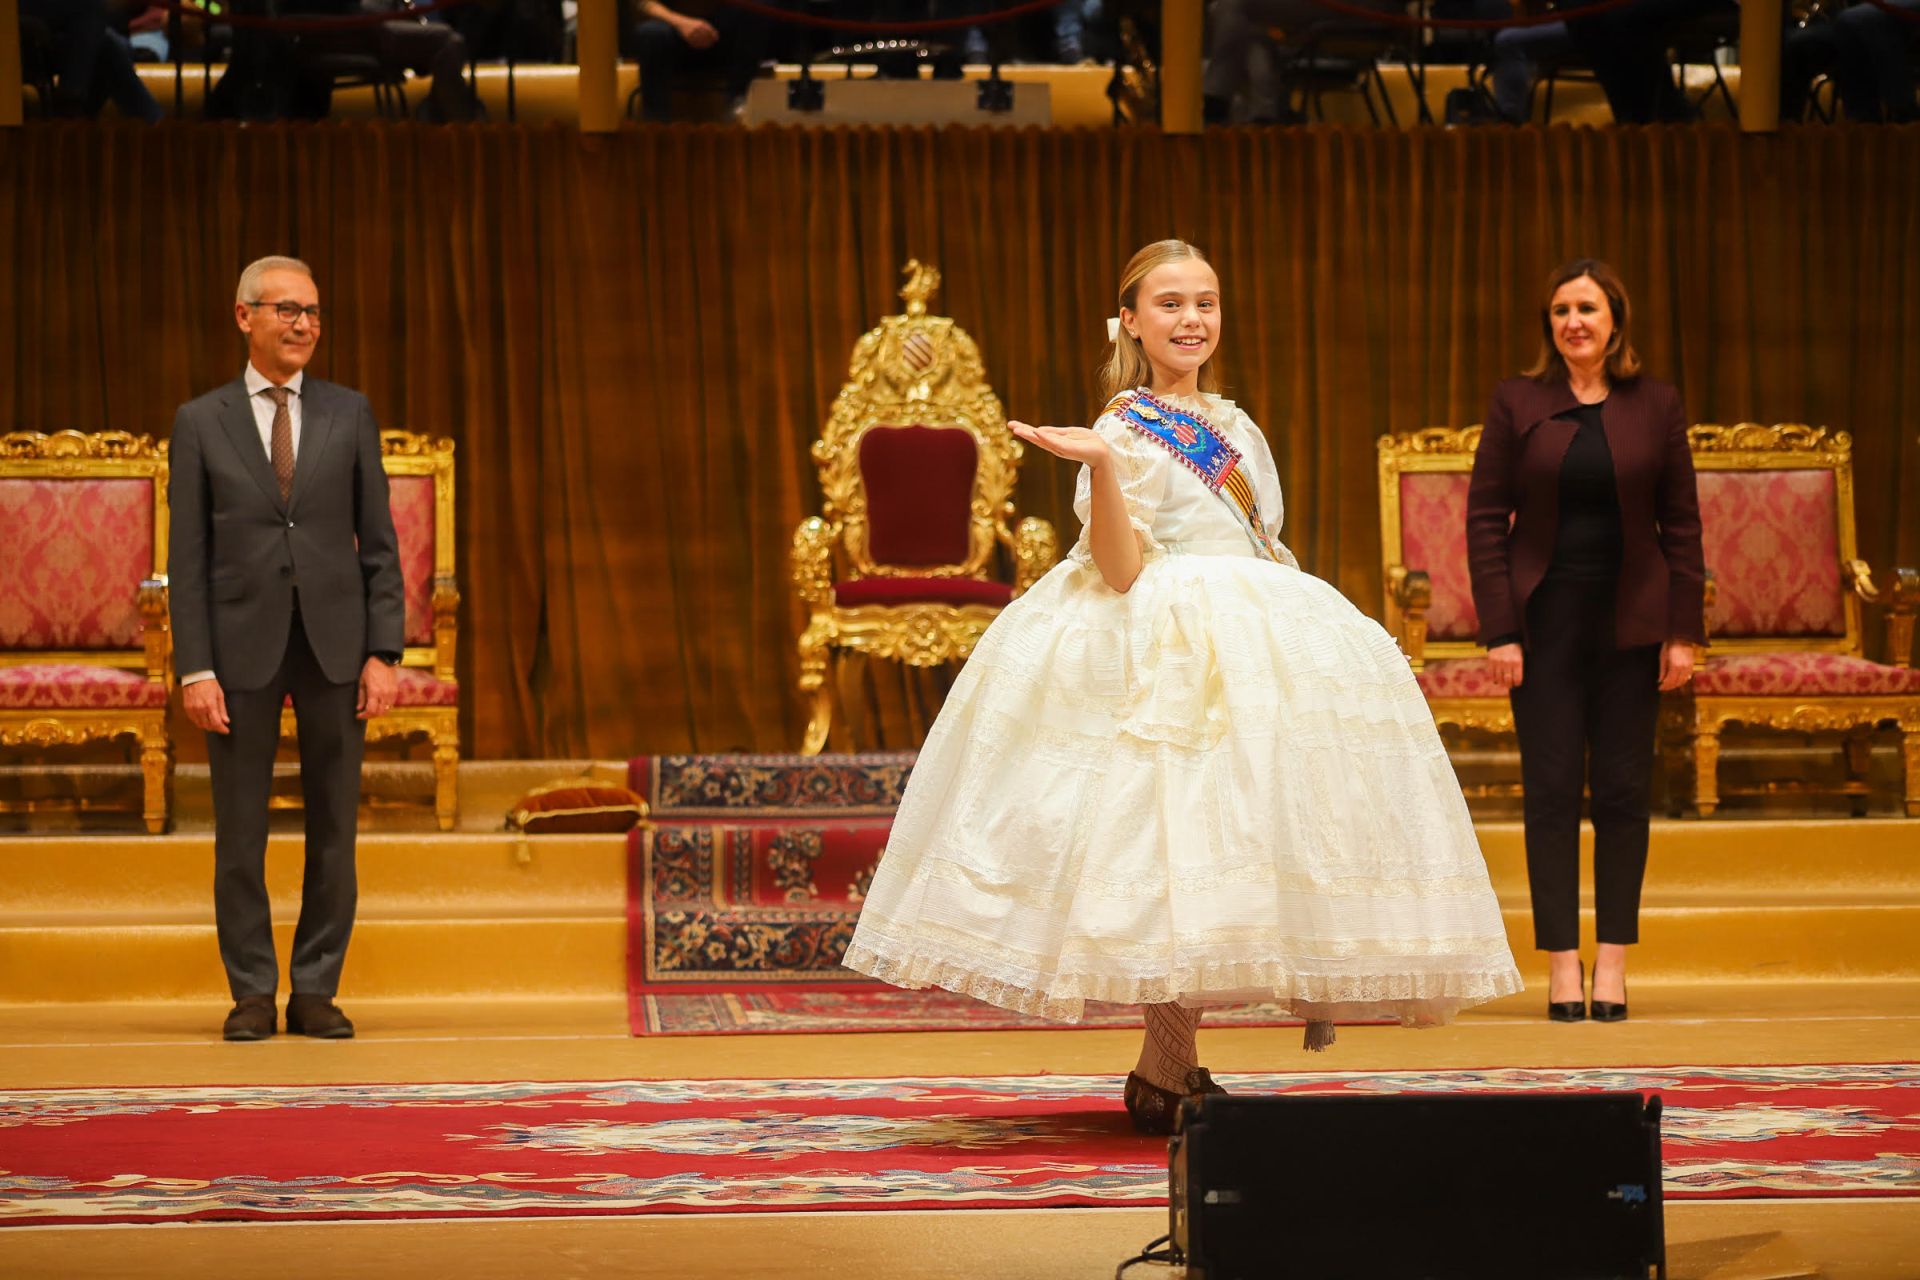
(1221, 785)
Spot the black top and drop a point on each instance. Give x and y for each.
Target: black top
(1586, 545)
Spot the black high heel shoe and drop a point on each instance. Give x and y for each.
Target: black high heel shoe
(1156, 1110)
(1608, 1011)
(1574, 1010)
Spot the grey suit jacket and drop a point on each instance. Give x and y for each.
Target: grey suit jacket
(237, 554)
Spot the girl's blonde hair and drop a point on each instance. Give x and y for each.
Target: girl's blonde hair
(1128, 366)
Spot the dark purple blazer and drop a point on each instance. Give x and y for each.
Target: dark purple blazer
(1513, 508)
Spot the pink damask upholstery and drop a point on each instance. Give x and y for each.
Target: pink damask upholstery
(1433, 537)
(1459, 678)
(412, 501)
(77, 687)
(1772, 542)
(1802, 675)
(72, 555)
(919, 485)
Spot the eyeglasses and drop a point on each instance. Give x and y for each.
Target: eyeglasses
(290, 312)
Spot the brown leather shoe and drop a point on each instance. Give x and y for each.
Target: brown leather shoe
(317, 1016)
(252, 1018)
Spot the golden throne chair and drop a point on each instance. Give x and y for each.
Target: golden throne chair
(1786, 588)
(917, 470)
(85, 647)
(1429, 591)
(427, 708)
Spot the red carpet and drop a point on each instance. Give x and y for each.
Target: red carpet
(757, 1146)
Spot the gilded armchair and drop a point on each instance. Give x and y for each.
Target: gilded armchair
(85, 647)
(1786, 589)
(427, 707)
(1429, 592)
(917, 470)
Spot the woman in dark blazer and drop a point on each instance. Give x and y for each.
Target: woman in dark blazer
(1583, 535)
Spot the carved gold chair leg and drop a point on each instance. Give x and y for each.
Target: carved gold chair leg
(816, 649)
(819, 720)
(1706, 771)
(1910, 761)
(156, 770)
(446, 779)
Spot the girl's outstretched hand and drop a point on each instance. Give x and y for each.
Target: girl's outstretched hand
(1075, 444)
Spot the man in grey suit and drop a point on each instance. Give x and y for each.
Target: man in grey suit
(285, 582)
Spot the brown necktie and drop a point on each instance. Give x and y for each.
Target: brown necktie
(281, 451)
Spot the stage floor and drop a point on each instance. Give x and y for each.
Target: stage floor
(162, 1043)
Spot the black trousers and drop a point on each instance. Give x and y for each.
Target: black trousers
(1585, 713)
(332, 742)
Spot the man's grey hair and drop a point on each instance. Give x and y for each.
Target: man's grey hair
(248, 290)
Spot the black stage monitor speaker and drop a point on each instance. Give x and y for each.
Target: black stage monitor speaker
(1530, 1186)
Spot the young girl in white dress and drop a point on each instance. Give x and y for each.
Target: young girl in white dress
(1179, 771)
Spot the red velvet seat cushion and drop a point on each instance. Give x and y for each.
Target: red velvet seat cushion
(1802, 674)
(69, 686)
(1459, 678)
(419, 687)
(919, 484)
(921, 591)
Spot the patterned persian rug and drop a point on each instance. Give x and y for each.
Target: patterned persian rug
(743, 891)
(760, 1146)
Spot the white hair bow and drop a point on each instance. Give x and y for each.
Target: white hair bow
(1113, 328)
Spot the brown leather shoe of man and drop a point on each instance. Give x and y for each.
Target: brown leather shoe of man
(317, 1016)
(252, 1019)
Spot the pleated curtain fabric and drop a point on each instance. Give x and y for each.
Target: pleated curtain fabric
(634, 338)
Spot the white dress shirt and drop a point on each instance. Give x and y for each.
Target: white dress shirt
(263, 408)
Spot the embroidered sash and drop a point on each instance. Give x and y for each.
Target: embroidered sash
(1196, 445)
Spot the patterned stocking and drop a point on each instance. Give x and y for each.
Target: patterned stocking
(1168, 1052)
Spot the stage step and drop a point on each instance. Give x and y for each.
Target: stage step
(112, 918)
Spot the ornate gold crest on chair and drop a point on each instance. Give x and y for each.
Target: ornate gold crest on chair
(917, 469)
(1785, 590)
(85, 648)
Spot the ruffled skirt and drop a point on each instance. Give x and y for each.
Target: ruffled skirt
(1222, 785)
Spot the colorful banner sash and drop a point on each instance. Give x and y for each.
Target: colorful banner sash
(1195, 443)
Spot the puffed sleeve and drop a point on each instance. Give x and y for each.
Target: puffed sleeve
(1257, 457)
(1142, 469)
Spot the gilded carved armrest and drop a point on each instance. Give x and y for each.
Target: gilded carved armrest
(1412, 591)
(156, 633)
(446, 624)
(812, 561)
(1035, 549)
(1900, 602)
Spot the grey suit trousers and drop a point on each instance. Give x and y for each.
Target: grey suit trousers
(332, 740)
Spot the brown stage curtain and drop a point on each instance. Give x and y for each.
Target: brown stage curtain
(634, 338)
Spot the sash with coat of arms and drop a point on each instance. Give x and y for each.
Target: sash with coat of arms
(1201, 449)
